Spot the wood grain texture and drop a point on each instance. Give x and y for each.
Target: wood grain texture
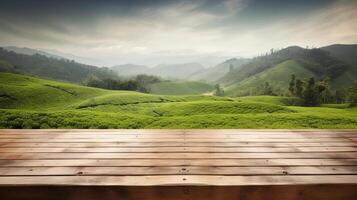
(178, 164)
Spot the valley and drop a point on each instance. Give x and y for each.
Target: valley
(39, 90)
(30, 102)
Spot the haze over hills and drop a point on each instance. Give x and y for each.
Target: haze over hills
(336, 62)
(177, 71)
(49, 67)
(213, 74)
(30, 52)
(131, 69)
(52, 54)
(167, 71)
(80, 59)
(185, 71)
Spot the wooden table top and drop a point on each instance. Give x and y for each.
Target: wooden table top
(177, 157)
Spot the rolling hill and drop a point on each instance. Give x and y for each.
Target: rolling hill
(49, 67)
(277, 67)
(278, 77)
(30, 102)
(180, 88)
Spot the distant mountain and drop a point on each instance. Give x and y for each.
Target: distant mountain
(213, 74)
(169, 71)
(30, 52)
(277, 67)
(52, 54)
(177, 71)
(49, 67)
(80, 59)
(130, 69)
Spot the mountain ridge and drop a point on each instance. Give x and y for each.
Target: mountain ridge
(320, 63)
(48, 67)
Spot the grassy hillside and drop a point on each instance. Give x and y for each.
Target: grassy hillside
(348, 54)
(277, 76)
(49, 67)
(276, 100)
(29, 102)
(180, 88)
(26, 92)
(277, 67)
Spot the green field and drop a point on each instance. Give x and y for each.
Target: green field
(180, 88)
(29, 102)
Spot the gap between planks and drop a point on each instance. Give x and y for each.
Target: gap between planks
(175, 155)
(187, 170)
(176, 162)
(179, 150)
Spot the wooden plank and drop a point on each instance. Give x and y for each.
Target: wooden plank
(276, 192)
(175, 155)
(177, 162)
(176, 180)
(128, 171)
(173, 144)
(180, 149)
(182, 140)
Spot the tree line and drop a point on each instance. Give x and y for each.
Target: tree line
(315, 93)
(138, 83)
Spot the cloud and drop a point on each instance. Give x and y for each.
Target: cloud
(336, 23)
(151, 32)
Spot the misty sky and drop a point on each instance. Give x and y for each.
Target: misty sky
(151, 32)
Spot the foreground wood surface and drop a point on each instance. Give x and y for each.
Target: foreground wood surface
(178, 164)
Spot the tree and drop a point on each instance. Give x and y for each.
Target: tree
(144, 81)
(310, 94)
(339, 96)
(299, 88)
(218, 90)
(271, 51)
(352, 94)
(324, 92)
(267, 89)
(292, 85)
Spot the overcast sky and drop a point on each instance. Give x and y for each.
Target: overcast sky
(151, 32)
